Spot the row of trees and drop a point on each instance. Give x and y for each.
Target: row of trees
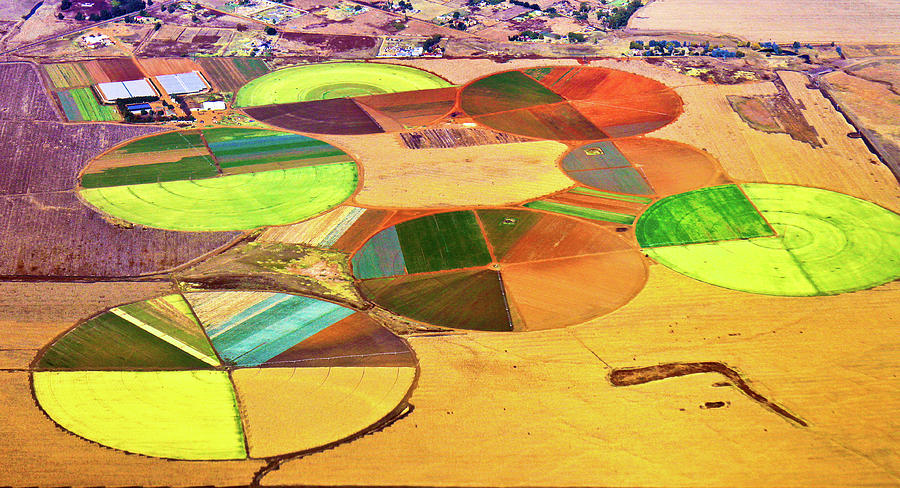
(124, 7)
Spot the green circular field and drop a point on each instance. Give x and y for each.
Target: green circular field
(219, 179)
(334, 80)
(825, 243)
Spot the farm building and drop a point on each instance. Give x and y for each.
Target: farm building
(123, 90)
(218, 105)
(183, 83)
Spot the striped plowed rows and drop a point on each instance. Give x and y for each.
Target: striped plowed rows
(498, 270)
(570, 103)
(274, 374)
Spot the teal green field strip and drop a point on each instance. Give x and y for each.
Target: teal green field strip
(110, 342)
(381, 256)
(187, 168)
(620, 180)
(611, 196)
(594, 156)
(443, 241)
(271, 327)
(70, 108)
(588, 213)
(706, 215)
(190, 415)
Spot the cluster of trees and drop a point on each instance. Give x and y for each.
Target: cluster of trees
(404, 6)
(618, 17)
(431, 42)
(576, 37)
(532, 6)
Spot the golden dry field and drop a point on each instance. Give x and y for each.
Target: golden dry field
(773, 20)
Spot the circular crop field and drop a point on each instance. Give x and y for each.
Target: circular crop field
(334, 80)
(499, 270)
(570, 103)
(641, 166)
(223, 375)
(774, 239)
(219, 179)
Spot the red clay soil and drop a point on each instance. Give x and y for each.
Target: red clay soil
(356, 341)
(116, 69)
(334, 116)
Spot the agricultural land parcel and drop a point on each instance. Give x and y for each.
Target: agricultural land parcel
(522, 379)
(843, 21)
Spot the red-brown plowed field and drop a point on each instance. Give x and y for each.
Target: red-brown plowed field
(559, 122)
(352, 342)
(333, 116)
(55, 152)
(671, 167)
(48, 231)
(167, 66)
(22, 97)
(118, 69)
(331, 43)
(601, 84)
(632, 116)
(55, 234)
(413, 108)
(551, 294)
(230, 74)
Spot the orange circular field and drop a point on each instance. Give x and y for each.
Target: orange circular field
(570, 103)
(499, 270)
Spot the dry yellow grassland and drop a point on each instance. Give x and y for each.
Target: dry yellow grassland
(537, 409)
(776, 20)
(394, 176)
(842, 164)
(295, 409)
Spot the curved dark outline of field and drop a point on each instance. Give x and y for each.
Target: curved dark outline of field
(325, 345)
(97, 192)
(529, 273)
(604, 104)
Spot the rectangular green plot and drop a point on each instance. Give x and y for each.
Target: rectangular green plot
(443, 241)
(594, 156)
(588, 213)
(717, 213)
(225, 134)
(90, 108)
(611, 196)
(250, 67)
(619, 180)
(189, 168)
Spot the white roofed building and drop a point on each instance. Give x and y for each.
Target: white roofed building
(183, 83)
(123, 90)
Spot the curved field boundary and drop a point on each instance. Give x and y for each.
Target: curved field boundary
(316, 388)
(570, 103)
(234, 202)
(498, 269)
(826, 243)
(334, 80)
